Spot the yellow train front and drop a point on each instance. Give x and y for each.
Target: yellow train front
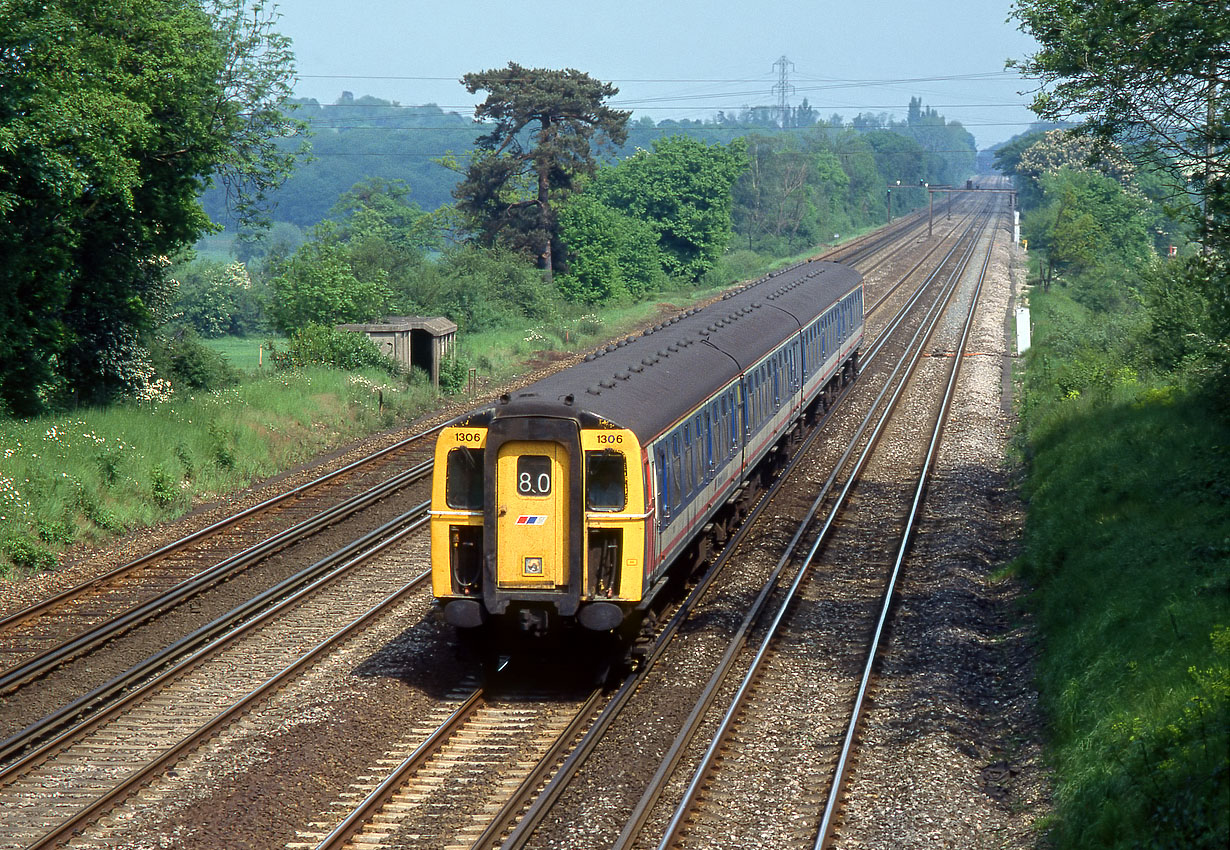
(538, 520)
(577, 500)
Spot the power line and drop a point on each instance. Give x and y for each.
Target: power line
(837, 81)
(717, 107)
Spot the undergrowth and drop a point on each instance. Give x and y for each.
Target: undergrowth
(1128, 549)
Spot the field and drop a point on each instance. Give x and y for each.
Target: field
(248, 354)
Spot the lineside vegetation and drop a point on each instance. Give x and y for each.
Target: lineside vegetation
(1125, 416)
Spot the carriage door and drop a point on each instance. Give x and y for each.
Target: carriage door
(532, 515)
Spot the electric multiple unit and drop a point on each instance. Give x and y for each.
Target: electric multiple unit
(573, 500)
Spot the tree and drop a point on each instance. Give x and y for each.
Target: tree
(610, 254)
(682, 188)
(1029, 157)
(215, 299)
(773, 196)
(510, 191)
(1149, 75)
(318, 286)
(251, 105)
(114, 115)
(1087, 220)
(791, 193)
(385, 236)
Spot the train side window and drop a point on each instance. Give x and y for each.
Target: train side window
(758, 399)
(677, 492)
(728, 427)
(605, 481)
(690, 476)
(664, 500)
(699, 450)
(463, 484)
(744, 413)
(707, 459)
(736, 434)
(754, 406)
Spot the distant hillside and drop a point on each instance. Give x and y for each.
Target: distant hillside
(361, 137)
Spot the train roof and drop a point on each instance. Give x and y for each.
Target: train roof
(646, 383)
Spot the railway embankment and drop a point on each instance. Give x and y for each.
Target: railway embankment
(1127, 549)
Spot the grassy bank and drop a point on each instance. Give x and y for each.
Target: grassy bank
(247, 354)
(1128, 549)
(95, 473)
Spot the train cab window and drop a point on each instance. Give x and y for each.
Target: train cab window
(605, 487)
(463, 487)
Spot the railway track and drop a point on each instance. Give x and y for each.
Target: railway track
(712, 802)
(67, 658)
(678, 676)
(519, 799)
(63, 785)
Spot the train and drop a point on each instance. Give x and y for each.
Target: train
(569, 505)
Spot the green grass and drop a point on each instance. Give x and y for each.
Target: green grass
(247, 354)
(94, 473)
(1128, 548)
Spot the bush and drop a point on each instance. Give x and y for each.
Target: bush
(454, 374)
(480, 289)
(742, 265)
(318, 345)
(611, 256)
(1189, 318)
(216, 299)
(163, 486)
(57, 533)
(28, 555)
(188, 363)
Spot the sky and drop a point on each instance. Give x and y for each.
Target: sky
(679, 58)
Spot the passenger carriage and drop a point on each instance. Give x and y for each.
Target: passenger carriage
(575, 499)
